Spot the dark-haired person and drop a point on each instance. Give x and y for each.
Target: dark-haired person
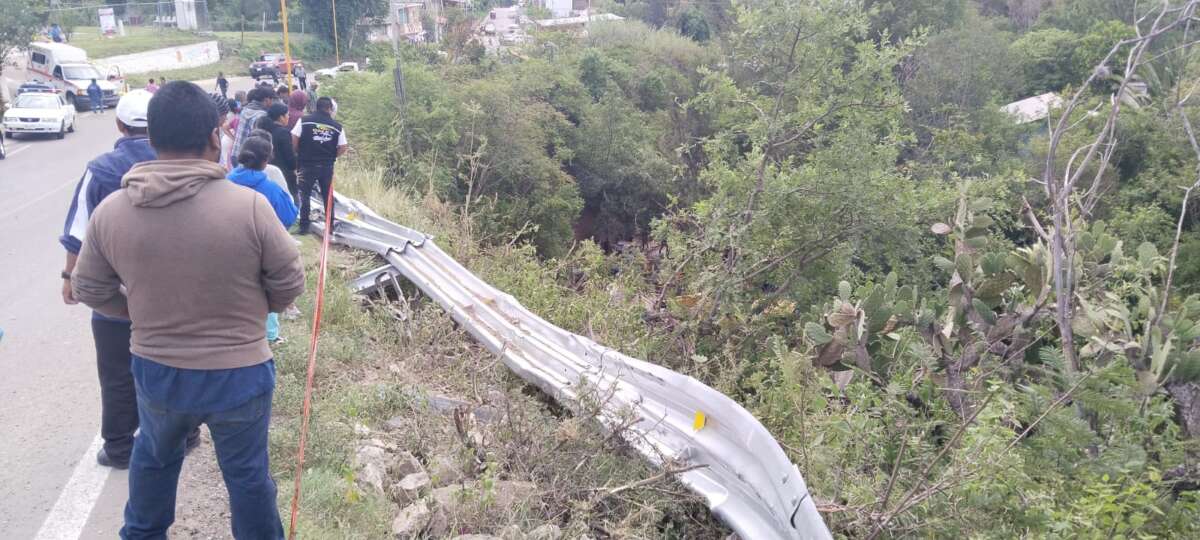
(223, 84)
(301, 76)
(197, 296)
(297, 105)
(222, 106)
(319, 141)
(284, 154)
(273, 173)
(101, 178)
(96, 97)
(259, 100)
(256, 153)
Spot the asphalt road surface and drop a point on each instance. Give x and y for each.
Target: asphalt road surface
(50, 485)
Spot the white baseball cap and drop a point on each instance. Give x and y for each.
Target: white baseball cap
(131, 110)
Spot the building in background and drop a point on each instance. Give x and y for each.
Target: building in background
(560, 8)
(403, 22)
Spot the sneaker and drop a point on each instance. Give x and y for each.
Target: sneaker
(291, 313)
(105, 461)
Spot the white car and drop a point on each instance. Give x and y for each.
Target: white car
(344, 67)
(39, 113)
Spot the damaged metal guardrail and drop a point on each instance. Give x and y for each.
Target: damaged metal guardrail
(744, 475)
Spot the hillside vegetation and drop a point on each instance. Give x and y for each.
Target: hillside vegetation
(957, 325)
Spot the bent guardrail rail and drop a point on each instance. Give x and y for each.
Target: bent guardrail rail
(746, 478)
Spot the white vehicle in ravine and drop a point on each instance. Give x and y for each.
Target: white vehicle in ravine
(329, 73)
(39, 113)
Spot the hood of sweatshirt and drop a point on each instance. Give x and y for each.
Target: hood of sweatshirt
(247, 177)
(156, 184)
(297, 101)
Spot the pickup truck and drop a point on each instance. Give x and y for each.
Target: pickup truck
(271, 65)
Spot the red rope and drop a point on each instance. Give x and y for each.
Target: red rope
(312, 357)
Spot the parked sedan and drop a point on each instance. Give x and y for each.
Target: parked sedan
(344, 67)
(39, 113)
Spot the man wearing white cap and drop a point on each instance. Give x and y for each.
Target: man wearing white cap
(118, 399)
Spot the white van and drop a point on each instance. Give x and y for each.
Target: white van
(67, 69)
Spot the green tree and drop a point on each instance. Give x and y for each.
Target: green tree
(20, 20)
(960, 71)
(349, 13)
(801, 171)
(1047, 60)
(900, 19)
(693, 24)
(622, 177)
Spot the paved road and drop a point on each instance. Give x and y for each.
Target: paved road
(49, 395)
(506, 20)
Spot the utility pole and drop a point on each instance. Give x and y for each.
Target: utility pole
(287, 50)
(337, 53)
(398, 81)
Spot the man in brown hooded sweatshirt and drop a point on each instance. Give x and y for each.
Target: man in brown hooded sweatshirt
(195, 262)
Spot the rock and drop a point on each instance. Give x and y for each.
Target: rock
(405, 464)
(477, 537)
(508, 494)
(378, 443)
(361, 430)
(409, 488)
(444, 404)
(397, 423)
(505, 495)
(449, 497)
(445, 470)
(488, 414)
(548, 531)
(370, 464)
(411, 520)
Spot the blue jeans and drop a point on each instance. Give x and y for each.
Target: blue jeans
(97, 106)
(240, 437)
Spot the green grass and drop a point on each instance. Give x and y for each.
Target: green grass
(138, 39)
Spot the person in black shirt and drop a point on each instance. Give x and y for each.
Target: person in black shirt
(284, 156)
(319, 140)
(223, 84)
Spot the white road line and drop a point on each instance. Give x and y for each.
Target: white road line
(39, 199)
(19, 148)
(70, 513)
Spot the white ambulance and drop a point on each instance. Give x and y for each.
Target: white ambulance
(67, 69)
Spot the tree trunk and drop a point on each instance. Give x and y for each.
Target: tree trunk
(1187, 406)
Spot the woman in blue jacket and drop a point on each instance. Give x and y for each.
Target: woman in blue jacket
(255, 154)
(253, 158)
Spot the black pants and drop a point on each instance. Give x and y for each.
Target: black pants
(118, 397)
(304, 83)
(320, 177)
(289, 175)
